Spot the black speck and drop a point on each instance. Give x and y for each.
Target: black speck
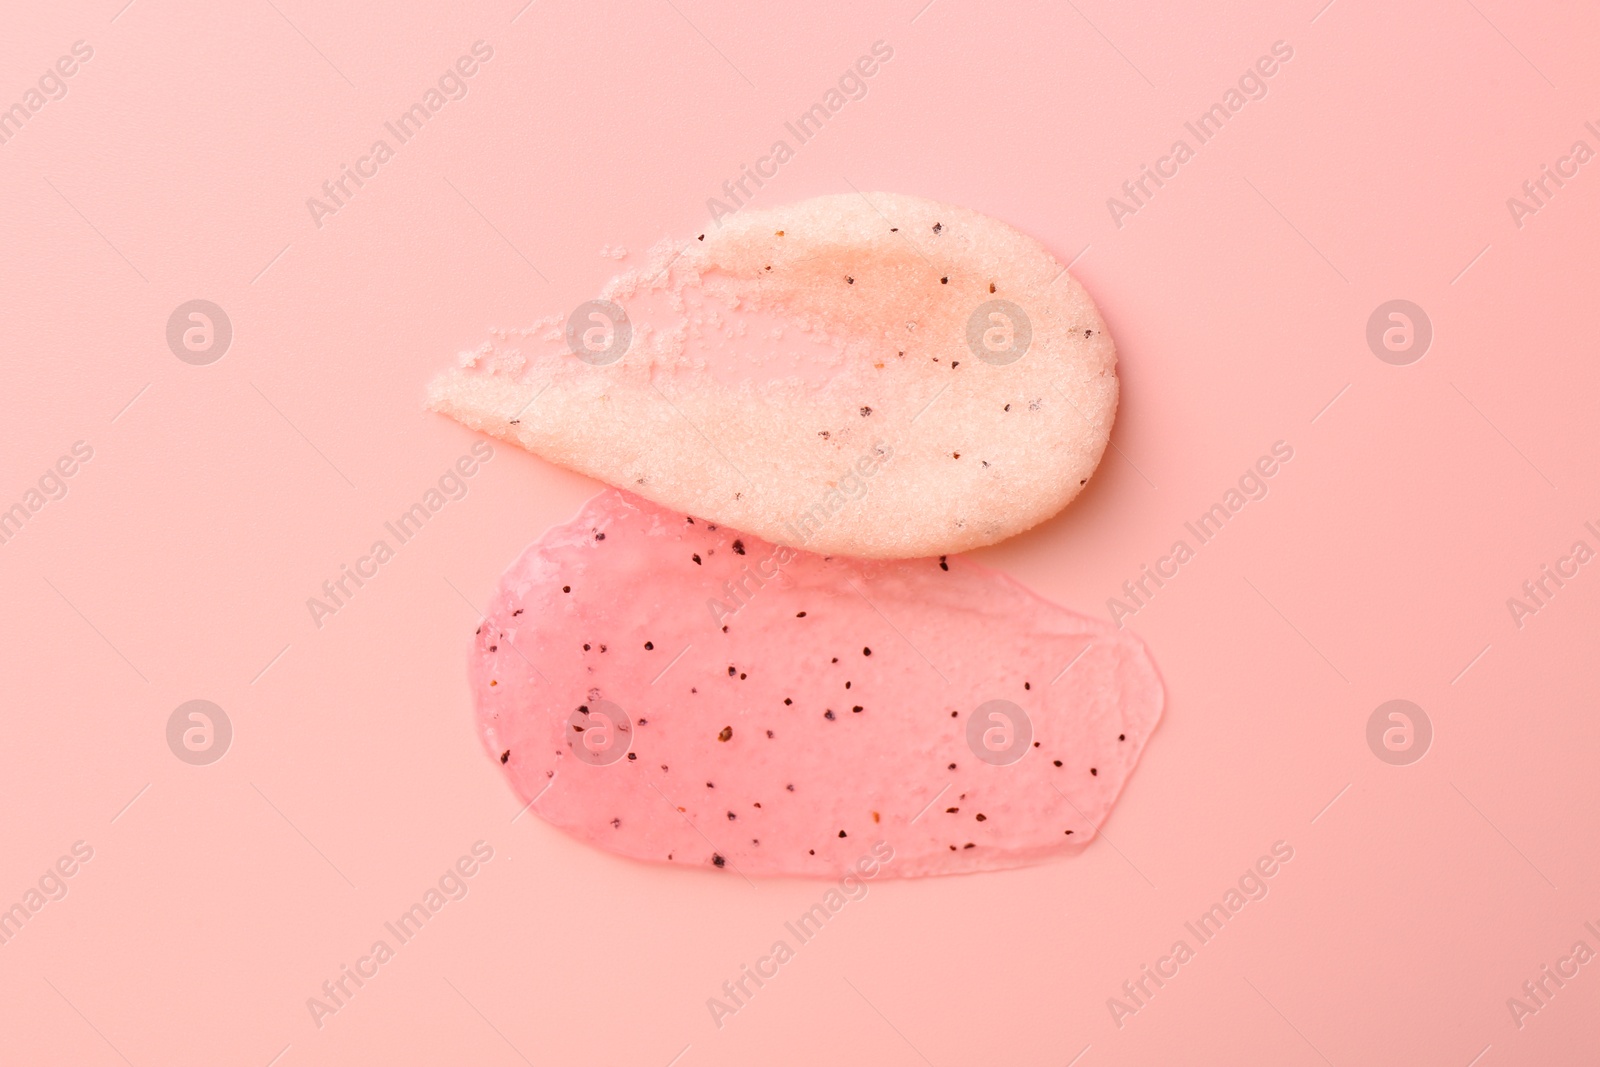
(954, 363)
(857, 709)
(702, 237)
(847, 685)
(649, 646)
(790, 788)
(828, 714)
(726, 734)
(586, 646)
(843, 834)
(982, 817)
(969, 844)
(945, 280)
(696, 558)
(505, 756)
(1086, 333)
(944, 563)
(494, 648)
(1094, 771)
(938, 227)
(738, 548)
(615, 823)
(514, 614)
(866, 651)
(710, 786)
(836, 659)
(769, 733)
(991, 287)
(600, 536)
(732, 671)
(1027, 685)
(719, 861)
(732, 816)
(1056, 762)
(800, 615)
(865, 411)
(1008, 407)
(566, 589)
(952, 766)
(787, 700)
(951, 811)
(633, 755)
(1122, 737)
(849, 280)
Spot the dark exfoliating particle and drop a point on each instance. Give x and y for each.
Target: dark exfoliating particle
(738, 547)
(717, 859)
(726, 734)
(649, 646)
(506, 755)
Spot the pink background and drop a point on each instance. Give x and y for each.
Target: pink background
(177, 567)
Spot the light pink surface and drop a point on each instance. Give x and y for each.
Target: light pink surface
(778, 708)
(179, 563)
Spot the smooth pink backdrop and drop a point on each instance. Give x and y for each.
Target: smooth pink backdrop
(177, 567)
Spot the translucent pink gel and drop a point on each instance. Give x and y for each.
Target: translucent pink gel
(832, 712)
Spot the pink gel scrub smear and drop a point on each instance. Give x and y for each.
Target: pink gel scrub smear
(679, 692)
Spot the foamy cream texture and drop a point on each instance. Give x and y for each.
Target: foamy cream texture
(784, 709)
(985, 447)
